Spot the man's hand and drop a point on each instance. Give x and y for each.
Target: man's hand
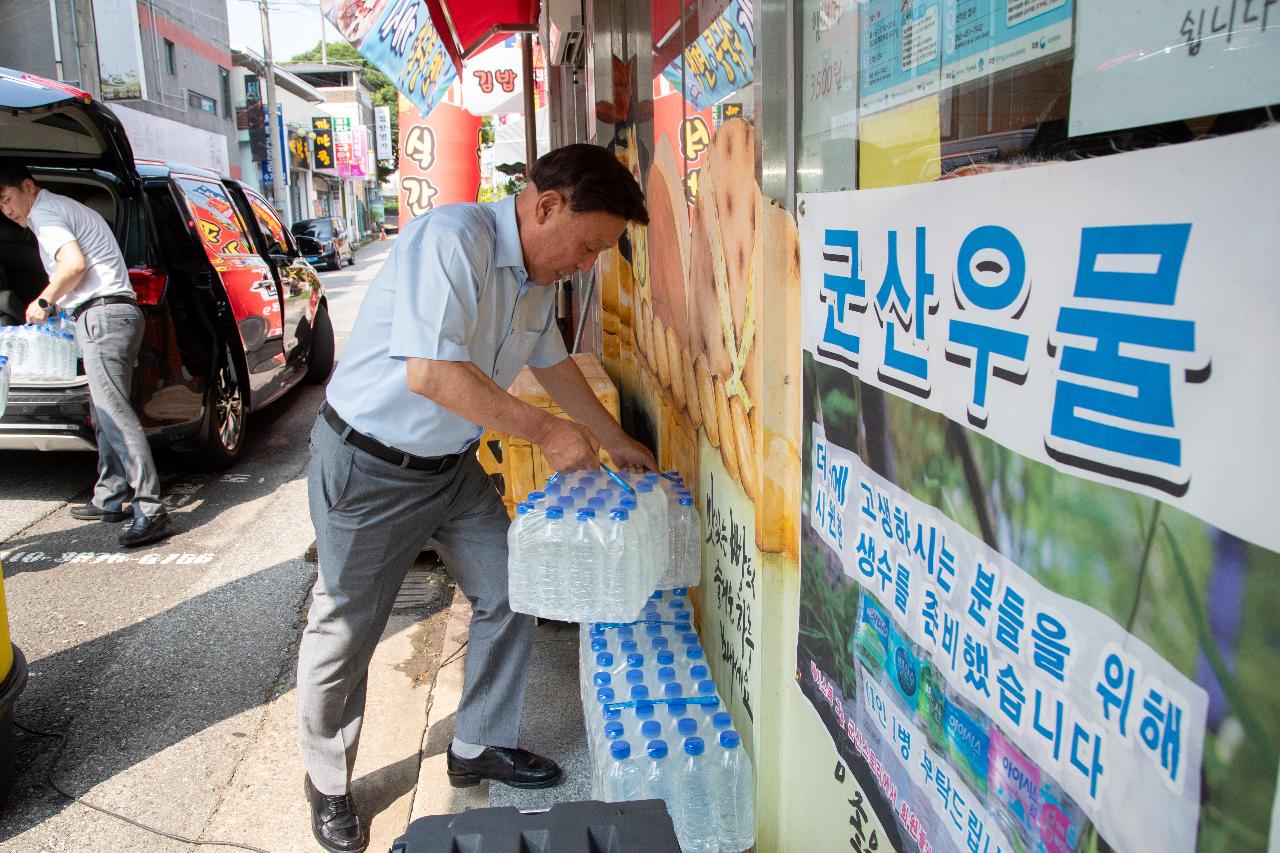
(569, 446)
(630, 454)
(36, 314)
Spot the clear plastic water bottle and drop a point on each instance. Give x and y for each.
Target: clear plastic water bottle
(586, 554)
(624, 780)
(697, 821)
(656, 509)
(552, 555)
(19, 353)
(658, 781)
(619, 553)
(517, 570)
(687, 559)
(4, 383)
(736, 800)
(676, 711)
(69, 354)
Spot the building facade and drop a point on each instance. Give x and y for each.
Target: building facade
(164, 67)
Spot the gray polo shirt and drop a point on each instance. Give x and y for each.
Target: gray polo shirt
(454, 288)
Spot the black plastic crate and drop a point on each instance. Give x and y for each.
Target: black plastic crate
(642, 826)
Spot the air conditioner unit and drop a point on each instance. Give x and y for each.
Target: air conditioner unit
(563, 26)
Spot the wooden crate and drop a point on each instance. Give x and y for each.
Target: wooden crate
(516, 466)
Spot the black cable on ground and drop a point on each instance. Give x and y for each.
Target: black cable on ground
(53, 765)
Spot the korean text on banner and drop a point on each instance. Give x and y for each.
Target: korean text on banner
(1062, 690)
(719, 61)
(1094, 338)
(398, 37)
(1147, 61)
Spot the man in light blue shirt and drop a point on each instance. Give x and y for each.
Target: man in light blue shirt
(459, 307)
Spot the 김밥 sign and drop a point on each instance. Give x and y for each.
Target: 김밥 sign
(1037, 496)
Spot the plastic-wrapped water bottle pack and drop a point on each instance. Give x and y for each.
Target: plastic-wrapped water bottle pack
(40, 353)
(656, 728)
(592, 545)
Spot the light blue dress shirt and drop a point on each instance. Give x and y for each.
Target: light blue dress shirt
(454, 288)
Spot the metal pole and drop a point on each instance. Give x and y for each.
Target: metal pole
(324, 42)
(273, 128)
(530, 105)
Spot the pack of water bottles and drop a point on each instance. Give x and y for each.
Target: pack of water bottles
(592, 545)
(46, 352)
(656, 728)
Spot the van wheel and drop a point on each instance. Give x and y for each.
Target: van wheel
(320, 358)
(222, 437)
(351, 261)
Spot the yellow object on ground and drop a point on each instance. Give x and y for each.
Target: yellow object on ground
(6, 648)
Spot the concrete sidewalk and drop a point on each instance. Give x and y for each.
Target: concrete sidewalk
(552, 724)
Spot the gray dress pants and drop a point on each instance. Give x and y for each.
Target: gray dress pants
(110, 337)
(372, 519)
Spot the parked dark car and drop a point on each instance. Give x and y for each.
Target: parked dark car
(235, 316)
(335, 243)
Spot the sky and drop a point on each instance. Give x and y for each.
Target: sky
(295, 26)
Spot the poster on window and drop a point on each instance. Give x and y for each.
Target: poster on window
(1038, 535)
(1147, 61)
(119, 50)
(719, 61)
(981, 37)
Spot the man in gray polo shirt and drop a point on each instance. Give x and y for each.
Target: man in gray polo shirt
(459, 307)
(89, 280)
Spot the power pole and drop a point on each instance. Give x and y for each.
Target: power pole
(324, 42)
(273, 124)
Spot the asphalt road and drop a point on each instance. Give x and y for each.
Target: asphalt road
(157, 663)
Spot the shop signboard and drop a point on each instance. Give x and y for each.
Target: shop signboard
(119, 47)
(382, 132)
(1037, 474)
(719, 61)
(400, 40)
(1148, 61)
(323, 152)
(439, 158)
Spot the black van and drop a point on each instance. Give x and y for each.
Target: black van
(335, 243)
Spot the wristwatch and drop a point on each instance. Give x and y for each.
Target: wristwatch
(45, 304)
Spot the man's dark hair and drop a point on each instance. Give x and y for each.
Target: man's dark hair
(590, 178)
(13, 174)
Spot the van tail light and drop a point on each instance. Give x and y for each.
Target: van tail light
(148, 284)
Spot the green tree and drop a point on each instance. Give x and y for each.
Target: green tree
(385, 93)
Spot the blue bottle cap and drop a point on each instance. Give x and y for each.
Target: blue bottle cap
(684, 628)
(565, 502)
(653, 630)
(656, 595)
(680, 591)
(644, 486)
(666, 673)
(552, 489)
(639, 691)
(694, 745)
(651, 728)
(605, 694)
(626, 632)
(693, 652)
(611, 712)
(586, 514)
(601, 679)
(721, 720)
(687, 637)
(579, 493)
(604, 660)
(730, 739)
(711, 707)
(707, 687)
(628, 647)
(672, 689)
(677, 709)
(635, 659)
(698, 672)
(644, 710)
(620, 750)
(555, 512)
(599, 644)
(657, 749)
(660, 643)
(635, 676)
(686, 501)
(627, 503)
(596, 630)
(523, 508)
(613, 730)
(666, 658)
(537, 495)
(687, 726)
(619, 515)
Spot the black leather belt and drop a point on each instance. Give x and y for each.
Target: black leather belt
(360, 441)
(118, 299)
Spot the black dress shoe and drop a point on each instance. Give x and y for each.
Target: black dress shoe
(89, 512)
(145, 530)
(515, 767)
(334, 821)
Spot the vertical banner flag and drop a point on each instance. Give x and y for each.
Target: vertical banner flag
(119, 49)
(1039, 499)
(397, 36)
(439, 158)
(322, 127)
(382, 129)
(719, 61)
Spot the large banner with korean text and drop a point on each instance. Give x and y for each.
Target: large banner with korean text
(1038, 542)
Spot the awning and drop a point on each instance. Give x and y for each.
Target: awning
(420, 44)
